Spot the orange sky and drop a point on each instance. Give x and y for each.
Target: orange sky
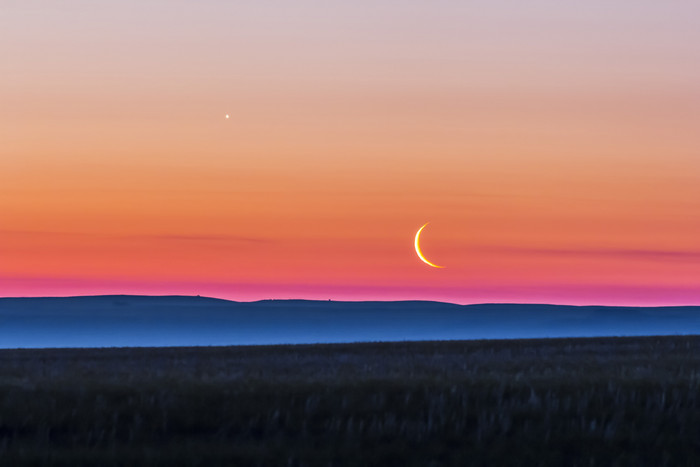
(554, 149)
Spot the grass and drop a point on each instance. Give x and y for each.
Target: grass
(587, 402)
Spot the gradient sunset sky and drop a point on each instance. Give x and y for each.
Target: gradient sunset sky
(553, 146)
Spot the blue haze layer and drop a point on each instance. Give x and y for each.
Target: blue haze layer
(116, 321)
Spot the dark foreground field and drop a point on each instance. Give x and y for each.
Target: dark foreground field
(588, 402)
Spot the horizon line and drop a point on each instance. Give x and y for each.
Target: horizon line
(341, 301)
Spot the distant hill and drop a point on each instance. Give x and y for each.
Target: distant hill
(126, 320)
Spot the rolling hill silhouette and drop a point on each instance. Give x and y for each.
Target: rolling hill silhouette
(124, 320)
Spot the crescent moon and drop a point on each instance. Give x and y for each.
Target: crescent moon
(420, 253)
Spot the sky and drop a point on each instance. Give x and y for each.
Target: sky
(553, 147)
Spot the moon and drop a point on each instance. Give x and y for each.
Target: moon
(420, 253)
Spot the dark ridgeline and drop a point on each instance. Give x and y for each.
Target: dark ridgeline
(574, 402)
(115, 321)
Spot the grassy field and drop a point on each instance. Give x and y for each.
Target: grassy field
(587, 402)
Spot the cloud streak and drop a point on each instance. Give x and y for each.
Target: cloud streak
(205, 238)
(616, 253)
(163, 237)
